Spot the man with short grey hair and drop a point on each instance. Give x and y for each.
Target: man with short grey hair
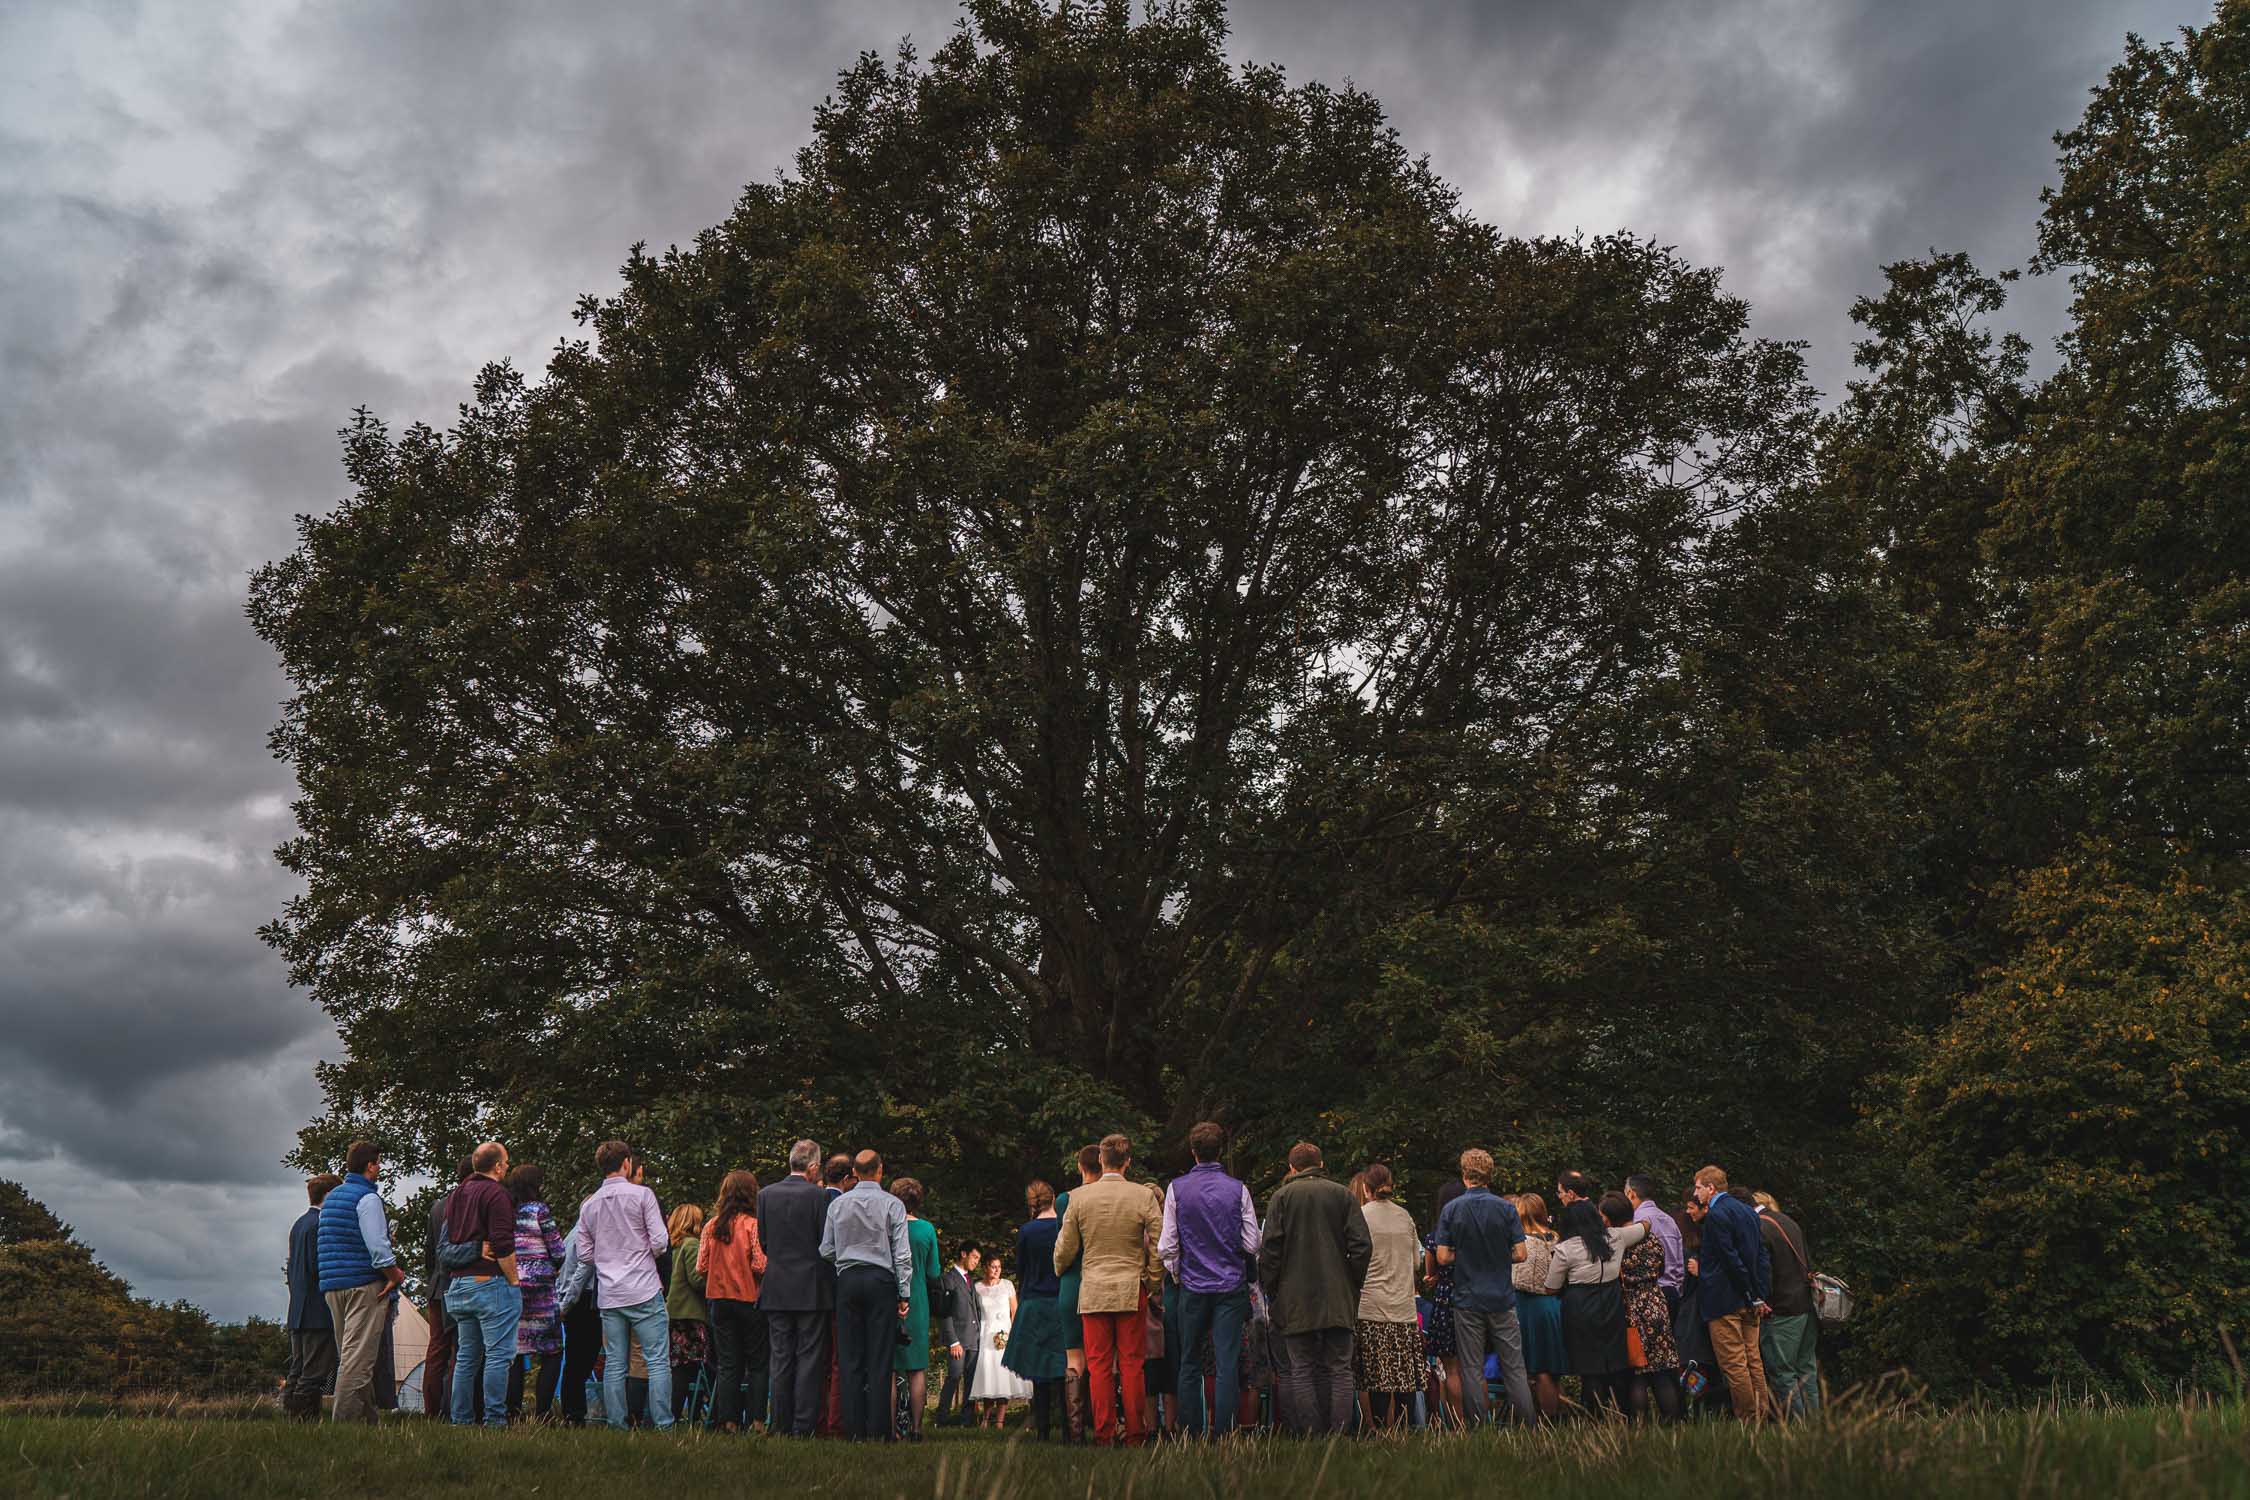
(798, 1291)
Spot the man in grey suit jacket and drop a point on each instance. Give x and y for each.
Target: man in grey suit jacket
(798, 1292)
(963, 1327)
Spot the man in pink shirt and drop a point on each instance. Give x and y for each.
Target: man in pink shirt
(620, 1233)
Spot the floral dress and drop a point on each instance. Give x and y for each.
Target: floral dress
(1645, 1308)
(539, 1254)
(1437, 1324)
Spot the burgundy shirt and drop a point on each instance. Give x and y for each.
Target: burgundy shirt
(481, 1210)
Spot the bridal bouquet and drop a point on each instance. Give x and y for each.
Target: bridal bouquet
(1000, 1341)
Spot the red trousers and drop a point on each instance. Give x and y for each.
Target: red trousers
(1116, 1351)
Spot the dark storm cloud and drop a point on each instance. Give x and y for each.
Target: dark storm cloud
(224, 226)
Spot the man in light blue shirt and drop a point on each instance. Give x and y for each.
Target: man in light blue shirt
(864, 1238)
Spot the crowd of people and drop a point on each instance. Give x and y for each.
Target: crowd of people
(805, 1306)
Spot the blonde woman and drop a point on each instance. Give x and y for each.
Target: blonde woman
(683, 1300)
(1539, 1311)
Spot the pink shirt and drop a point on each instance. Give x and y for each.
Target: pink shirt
(620, 1233)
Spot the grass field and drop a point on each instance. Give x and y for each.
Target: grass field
(2201, 1450)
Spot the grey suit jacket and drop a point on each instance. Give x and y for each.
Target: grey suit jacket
(790, 1215)
(964, 1319)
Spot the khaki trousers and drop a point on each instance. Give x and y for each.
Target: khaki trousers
(1734, 1344)
(360, 1316)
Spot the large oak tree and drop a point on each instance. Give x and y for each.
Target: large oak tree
(1018, 618)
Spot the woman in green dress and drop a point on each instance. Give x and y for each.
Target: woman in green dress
(910, 1367)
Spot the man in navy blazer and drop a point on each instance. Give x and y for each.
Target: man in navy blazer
(312, 1333)
(798, 1294)
(1734, 1271)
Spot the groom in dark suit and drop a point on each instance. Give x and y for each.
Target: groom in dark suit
(964, 1335)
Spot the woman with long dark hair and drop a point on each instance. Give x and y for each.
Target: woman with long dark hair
(1584, 1270)
(732, 1261)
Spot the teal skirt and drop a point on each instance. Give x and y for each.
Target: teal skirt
(1066, 1305)
(1035, 1340)
(1544, 1352)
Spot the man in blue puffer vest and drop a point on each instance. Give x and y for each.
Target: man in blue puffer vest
(358, 1273)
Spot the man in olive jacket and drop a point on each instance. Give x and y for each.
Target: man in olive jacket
(1311, 1264)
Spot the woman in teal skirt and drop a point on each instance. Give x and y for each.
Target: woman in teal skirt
(1035, 1339)
(1546, 1359)
(910, 1367)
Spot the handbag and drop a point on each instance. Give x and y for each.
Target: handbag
(1831, 1300)
(1152, 1330)
(452, 1255)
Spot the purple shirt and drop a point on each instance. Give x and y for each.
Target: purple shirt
(1210, 1227)
(1667, 1232)
(621, 1232)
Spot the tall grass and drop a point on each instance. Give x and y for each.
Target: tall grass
(1861, 1448)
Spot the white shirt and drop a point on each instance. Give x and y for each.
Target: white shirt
(1574, 1267)
(621, 1232)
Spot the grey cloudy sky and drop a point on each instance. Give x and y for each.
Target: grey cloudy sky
(223, 225)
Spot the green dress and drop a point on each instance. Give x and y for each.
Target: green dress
(1066, 1300)
(929, 1284)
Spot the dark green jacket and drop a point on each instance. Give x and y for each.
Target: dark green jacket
(1315, 1254)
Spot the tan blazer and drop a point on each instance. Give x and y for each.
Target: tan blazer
(1115, 1224)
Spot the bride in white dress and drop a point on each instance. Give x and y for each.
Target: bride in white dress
(995, 1384)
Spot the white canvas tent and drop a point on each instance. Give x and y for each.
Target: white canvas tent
(410, 1346)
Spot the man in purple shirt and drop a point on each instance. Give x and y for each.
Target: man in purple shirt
(1640, 1191)
(1209, 1242)
(620, 1233)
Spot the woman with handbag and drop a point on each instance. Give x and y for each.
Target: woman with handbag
(1584, 1269)
(1650, 1349)
(910, 1366)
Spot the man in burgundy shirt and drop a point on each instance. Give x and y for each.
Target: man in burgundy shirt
(482, 1295)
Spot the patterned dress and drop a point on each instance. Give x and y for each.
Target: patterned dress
(1645, 1307)
(539, 1254)
(1437, 1322)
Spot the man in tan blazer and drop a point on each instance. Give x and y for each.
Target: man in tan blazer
(1113, 1225)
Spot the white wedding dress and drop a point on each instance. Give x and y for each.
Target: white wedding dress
(995, 1381)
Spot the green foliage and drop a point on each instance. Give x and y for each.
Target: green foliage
(24, 1218)
(2086, 1116)
(68, 1323)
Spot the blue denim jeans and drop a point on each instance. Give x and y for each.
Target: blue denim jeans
(1221, 1316)
(485, 1314)
(647, 1322)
